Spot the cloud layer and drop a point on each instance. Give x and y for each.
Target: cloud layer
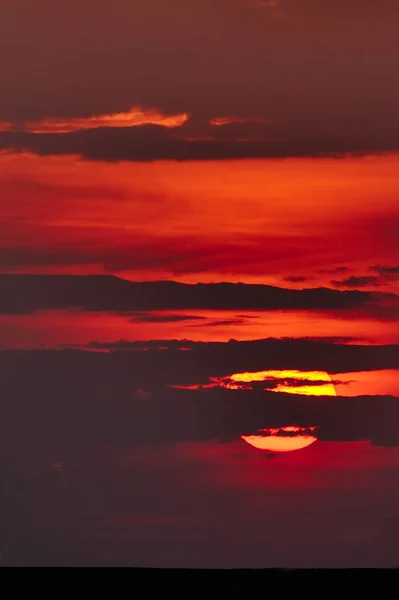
(75, 397)
(211, 59)
(25, 293)
(156, 142)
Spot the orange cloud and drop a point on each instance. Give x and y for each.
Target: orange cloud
(132, 118)
(218, 121)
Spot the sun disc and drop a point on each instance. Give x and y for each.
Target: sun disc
(289, 381)
(277, 443)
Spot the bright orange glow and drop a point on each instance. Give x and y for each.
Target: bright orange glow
(383, 382)
(286, 381)
(135, 116)
(275, 443)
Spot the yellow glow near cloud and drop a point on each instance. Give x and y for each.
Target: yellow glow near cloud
(275, 443)
(273, 439)
(132, 118)
(285, 381)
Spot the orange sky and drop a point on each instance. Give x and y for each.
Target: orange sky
(247, 220)
(48, 328)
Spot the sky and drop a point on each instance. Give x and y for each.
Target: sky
(199, 283)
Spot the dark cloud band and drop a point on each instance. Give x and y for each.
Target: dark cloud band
(26, 293)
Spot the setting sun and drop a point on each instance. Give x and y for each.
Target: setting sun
(277, 440)
(309, 383)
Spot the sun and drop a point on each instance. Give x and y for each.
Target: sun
(291, 437)
(288, 381)
(277, 440)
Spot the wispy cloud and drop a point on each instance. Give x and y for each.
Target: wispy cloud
(386, 270)
(220, 121)
(134, 117)
(355, 282)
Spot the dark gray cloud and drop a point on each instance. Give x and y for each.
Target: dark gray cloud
(223, 322)
(386, 273)
(26, 293)
(152, 142)
(341, 269)
(154, 318)
(90, 474)
(358, 281)
(211, 58)
(386, 270)
(182, 362)
(297, 278)
(202, 360)
(79, 397)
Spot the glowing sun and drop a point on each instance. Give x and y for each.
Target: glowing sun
(309, 383)
(277, 440)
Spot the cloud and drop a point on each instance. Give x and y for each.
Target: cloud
(386, 270)
(341, 269)
(232, 129)
(91, 435)
(355, 282)
(385, 275)
(220, 121)
(155, 142)
(186, 362)
(275, 382)
(223, 322)
(156, 318)
(26, 293)
(166, 55)
(76, 400)
(134, 117)
(297, 278)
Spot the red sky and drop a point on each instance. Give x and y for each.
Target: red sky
(251, 221)
(146, 148)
